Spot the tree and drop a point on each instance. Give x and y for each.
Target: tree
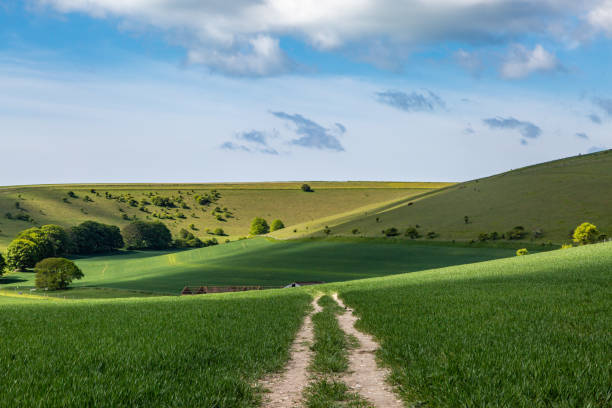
(147, 235)
(21, 254)
(391, 232)
(466, 219)
(306, 188)
(259, 226)
(56, 273)
(58, 237)
(412, 233)
(586, 233)
(276, 225)
(91, 237)
(2, 265)
(219, 231)
(522, 251)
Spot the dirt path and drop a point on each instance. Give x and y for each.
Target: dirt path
(286, 388)
(364, 376)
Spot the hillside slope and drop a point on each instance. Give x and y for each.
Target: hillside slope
(52, 204)
(552, 197)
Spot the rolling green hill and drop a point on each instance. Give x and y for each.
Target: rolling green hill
(117, 204)
(262, 261)
(551, 197)
(530, 331)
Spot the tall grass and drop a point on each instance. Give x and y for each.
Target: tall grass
(532, 331)
(196, 352)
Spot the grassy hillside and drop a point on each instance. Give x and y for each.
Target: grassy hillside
(198, 351)
(552, 197)
(261, 261)
(531, 331)
(52, 204)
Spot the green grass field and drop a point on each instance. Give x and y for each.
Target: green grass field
(553, 197)
(531, 331)
(191, 351)
(245, 201)
(261, 261)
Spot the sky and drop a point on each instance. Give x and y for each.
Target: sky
(284, 90)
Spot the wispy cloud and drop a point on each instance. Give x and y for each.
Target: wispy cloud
(253, 141)
(522, 62)
(411, 102)
(582, 135)
(595, 118)
(604, 103)
(527, 129)
(312, 134)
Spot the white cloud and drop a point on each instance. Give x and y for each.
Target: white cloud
(522, 62)
(601, 16)
(241, 36)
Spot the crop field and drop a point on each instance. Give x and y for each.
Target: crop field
(261, 261)
(238, 204)
(551, 197)
(531, 331)
(194, 351)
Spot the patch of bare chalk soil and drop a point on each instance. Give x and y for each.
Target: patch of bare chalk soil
(286, 388)
(365, 376)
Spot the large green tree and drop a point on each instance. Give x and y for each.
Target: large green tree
(146, 235)
(22, 254)
(91, 237)
(58, 237)
(56, 273)
(259, 226)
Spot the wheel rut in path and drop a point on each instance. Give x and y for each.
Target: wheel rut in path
(364, 375)
(286, 388)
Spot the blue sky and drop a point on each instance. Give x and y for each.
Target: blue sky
(183, 90)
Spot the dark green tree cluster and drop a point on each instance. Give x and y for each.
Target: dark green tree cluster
(146, 235)
(188, 240)
(516, 233)
(35, 244)
(56, 273)
(91, 237)
(306, 188)
(160, 201)
(2, 265)
(259, 226)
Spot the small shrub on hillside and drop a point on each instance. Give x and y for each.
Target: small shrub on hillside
(412, 233)
(87, 199)
(306, 188)
(327, 230)
(219, 231)
(466, 219)
(125, 216)
(586, 233)
(522, 251)
(483, 236)
(432, 235)
(56, 273)
(276, 225)
(566, 246)
(160, 201)
(538, 233)
(193, 227)
(259, 226)
(391, 232)
(355, 231)
(515, 233)
(72, 195)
